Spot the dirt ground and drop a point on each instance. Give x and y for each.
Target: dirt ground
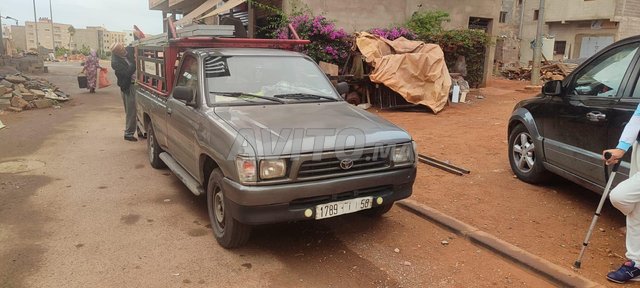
(97, 215)
(548, 221)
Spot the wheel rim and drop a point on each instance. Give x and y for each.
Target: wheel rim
(150, 145)
(524, 152)
(218, 207)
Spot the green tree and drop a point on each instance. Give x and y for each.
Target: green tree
(427, 23)
(72, 32)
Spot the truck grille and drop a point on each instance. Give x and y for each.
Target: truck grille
(332, 166)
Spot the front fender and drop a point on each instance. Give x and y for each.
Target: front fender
(524, 117)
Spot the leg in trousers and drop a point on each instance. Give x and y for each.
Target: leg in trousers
(625, 197)
(129, 100)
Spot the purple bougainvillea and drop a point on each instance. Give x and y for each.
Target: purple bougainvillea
(393, 33)
(328, 43)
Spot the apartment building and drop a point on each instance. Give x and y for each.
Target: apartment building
(91, 38)
(50, 35)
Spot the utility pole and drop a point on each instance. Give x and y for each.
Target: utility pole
(537, 48)
(53, 40)
(35, 18)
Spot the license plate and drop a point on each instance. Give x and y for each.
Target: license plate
(338, 208)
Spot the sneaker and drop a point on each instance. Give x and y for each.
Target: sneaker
(130, 138)
(626, 272)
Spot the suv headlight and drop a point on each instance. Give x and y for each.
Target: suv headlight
(402, 154)
(246, 169)
(270, 169)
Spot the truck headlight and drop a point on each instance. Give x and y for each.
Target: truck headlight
(402, 154)
(270, 169)
(246, 169)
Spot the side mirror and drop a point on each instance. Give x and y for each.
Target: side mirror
(552, 88)
(183, 93)
(343, 88)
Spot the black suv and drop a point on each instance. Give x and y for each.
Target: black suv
(565, 129)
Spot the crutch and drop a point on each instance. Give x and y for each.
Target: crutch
(609, 179)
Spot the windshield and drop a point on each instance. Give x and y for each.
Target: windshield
(265, 80)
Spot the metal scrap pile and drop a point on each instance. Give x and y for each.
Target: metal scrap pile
(19, 92)
(548, 71)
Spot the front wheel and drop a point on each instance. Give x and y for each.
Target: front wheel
(228, 231)
(524, 157)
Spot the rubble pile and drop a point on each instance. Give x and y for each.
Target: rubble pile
(19, 92)
(548, 71)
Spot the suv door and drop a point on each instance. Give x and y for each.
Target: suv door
(578, 128)
(623, 110)
(181, 121)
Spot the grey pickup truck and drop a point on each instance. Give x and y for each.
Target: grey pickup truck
(265, 135)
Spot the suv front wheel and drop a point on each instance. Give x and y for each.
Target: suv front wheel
(524, 157)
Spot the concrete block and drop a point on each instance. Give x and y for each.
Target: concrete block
(5, 103)
(43, 103)
(37, 93)
(17, 101)
(7, 96)
(28, 96)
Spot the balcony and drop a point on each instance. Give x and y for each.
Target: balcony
(579, 10)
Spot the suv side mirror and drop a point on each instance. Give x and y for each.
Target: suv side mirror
(552, 88)
(342, 87)
(183, 93)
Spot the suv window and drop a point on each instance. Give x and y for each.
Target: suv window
(603, 76)
(189, 73)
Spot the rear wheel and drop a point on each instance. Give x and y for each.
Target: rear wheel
(228, 231)
(524, 157)
(153, 149)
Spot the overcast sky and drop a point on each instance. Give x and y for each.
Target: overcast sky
(115, 15)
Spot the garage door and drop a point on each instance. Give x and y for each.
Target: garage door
(591, 45)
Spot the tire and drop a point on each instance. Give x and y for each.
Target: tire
(378, 210)
(153, 149)
(228, 231)
(524, 157)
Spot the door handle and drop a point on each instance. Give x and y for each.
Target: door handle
(169, 111)
(596, 116)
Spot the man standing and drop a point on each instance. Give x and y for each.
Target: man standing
(124, 66)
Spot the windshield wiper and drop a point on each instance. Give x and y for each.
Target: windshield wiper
(300, 96)
(242, 95)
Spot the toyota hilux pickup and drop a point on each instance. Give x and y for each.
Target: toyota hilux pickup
(264, 134)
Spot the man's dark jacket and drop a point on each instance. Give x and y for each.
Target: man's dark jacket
(123, 70)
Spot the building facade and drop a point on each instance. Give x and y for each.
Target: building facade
(49, 35)
(579, 28)
(88, 38)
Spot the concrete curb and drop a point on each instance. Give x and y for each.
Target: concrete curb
(553, 272)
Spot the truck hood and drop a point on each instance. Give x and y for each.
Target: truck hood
(289, 129)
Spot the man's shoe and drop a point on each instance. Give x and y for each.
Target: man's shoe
(626, 272)
(130, 138)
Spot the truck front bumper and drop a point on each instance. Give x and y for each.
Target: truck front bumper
(288, 202)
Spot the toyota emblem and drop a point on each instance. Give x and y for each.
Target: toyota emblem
(346, 164)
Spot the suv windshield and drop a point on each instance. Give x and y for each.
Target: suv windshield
(265, 80)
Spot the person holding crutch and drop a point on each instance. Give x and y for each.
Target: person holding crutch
(626, 198)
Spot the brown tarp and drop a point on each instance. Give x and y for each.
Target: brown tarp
(415, 70)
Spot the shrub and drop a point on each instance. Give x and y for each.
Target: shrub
(328, 43)
(393, 33)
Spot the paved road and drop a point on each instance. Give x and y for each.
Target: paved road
(95, 214)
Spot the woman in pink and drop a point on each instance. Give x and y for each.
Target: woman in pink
(91, 65)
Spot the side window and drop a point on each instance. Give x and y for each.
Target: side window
(189, 74)
(602, 78)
